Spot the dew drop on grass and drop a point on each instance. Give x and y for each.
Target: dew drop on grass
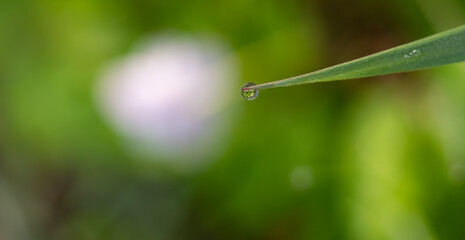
(413, 53)
(249, 95)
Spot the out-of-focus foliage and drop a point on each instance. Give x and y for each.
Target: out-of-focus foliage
(379, 158)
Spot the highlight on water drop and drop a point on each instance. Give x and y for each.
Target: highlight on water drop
(249, 95)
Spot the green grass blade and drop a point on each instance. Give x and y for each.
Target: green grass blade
(443, 48)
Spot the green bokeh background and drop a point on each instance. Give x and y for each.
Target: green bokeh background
(387, 154)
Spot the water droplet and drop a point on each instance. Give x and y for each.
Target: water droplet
(413, 53)
(249, 94)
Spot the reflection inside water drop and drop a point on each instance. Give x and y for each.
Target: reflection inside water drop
(249, 94)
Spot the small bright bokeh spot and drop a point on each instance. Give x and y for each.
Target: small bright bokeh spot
(301, 178)
(457, 172)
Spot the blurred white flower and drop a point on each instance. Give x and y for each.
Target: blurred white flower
(168, 96)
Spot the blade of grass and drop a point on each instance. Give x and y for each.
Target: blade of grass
(440, 49)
